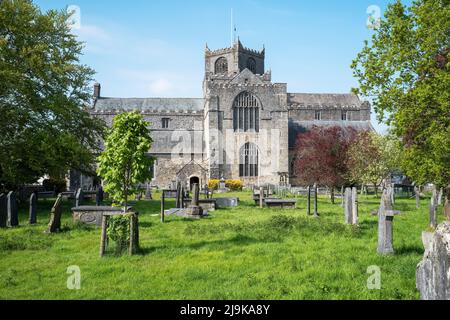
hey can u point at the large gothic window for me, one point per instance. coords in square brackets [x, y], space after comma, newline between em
[221, 66]
[246, 113]
[251, 65]
[248, 163]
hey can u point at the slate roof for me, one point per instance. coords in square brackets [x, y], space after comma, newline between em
[296, 127]
[326, 99]
[150, 104]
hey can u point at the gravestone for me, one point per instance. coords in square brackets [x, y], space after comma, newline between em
[417, 195]
[433, 272]
[433, 209]
[194, 209]
[354, 206]
[348, 206]
[99, 196]
[3, 210]
[33, 209]
[227, 202]
[308, 201]
[55, 216]
[440, 196]
[222, 185]
[179, 196]
[342, 197]
[13, 213]
[385, 224]
[392, 192]
[447, 208]
[316, 190]
[79, 198]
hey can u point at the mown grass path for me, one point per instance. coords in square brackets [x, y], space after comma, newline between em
[239, 253]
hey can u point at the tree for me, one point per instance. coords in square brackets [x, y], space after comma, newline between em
[44, 91]
[372, 157]
[124, 162]
[320, 156]
[405, 69]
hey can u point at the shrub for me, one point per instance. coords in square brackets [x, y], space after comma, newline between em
[57, 185]
[213, 184]
[234, 185]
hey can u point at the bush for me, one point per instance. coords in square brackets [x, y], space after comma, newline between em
[234, 185]
[57, 185]
[213, 184]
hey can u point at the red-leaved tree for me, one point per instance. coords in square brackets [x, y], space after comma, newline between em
[321, 156]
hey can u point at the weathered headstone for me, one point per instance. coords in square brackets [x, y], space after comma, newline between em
[99, 196]
[348, 206]
[55, 216]
[447, 208]
[179, 196]
[33, 209]
[385, 224]
[79, 198]
[417, 195]
[3, 210]
[13, 212]
[433, 272]
[194, 209]
[355, 206]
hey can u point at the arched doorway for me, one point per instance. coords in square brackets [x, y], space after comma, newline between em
[192, 181]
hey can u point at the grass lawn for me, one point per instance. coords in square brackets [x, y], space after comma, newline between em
[239, 253]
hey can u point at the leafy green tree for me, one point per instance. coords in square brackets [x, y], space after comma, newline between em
[44, 91]
[373, 157]
[405, 70]
[124, 162]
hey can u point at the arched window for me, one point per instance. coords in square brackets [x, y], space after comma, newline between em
[246, 113]
[251, 65]
[248, 163]
[221, 66]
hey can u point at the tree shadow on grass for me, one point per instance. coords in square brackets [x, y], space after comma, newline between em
[407, 250]
[240, 240]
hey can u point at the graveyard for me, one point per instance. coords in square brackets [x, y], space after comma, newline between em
[239, 252]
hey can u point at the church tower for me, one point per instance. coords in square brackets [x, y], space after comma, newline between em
[246, 117]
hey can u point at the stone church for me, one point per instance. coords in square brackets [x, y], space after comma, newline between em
[243, 127]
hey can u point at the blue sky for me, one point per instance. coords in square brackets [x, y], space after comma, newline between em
[142, 48]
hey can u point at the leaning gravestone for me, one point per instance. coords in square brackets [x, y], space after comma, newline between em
[3, 210]
[33, 209]
[433, 272]
[55, 216]
[13, 213]
[385, 224]
[79, 197]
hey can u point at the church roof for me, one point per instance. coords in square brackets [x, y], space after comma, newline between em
[327, 99]
[150, 104]
[296, 127]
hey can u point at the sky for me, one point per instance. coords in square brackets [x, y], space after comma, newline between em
[155, 48]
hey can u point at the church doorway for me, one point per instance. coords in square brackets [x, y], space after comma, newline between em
[194, 180]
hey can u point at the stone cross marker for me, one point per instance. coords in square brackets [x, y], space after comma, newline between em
[33, 209]
[3, 210]
[385, 224]
[79, 197]
[13, 214]
[55, 216]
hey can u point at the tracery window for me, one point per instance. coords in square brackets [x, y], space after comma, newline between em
[251, 65]
[221, 66]
[248, 164]
[246, 113]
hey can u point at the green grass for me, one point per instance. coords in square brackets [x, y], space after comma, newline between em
[239, 253]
